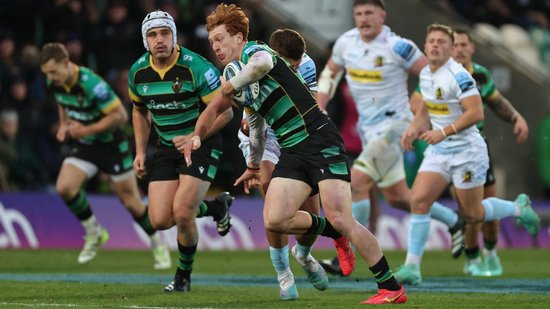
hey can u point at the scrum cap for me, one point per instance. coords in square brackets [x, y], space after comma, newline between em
[158, 19]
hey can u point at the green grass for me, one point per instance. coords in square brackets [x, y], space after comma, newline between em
[44, 288]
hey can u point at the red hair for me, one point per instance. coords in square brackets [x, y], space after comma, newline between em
[231, 16]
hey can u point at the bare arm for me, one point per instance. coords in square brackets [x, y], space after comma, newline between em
[420, 122]
[142, 129]
[506, 111]
[418, 65]
[62, 131]
[328, 81]
[114, 118]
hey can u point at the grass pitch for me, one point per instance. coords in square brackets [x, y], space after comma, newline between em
[245, 279]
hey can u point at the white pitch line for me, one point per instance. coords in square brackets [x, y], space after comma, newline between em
[97, 306]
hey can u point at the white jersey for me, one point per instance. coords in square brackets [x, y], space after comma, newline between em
[442, 92]
[377, 73]
[272, 149]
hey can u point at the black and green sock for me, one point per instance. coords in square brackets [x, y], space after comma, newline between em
[321, 226]
[80, 206]
[145, 222]
[384, 276]
[186, 259]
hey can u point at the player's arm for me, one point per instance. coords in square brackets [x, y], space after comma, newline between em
[506, 111]
[418, 65]
[115, 116]
[141, 122]
[63, 129]
[259, 64]
[418, 125]
[328, 82]
[219, 104]
[221, 120]
[257, 138]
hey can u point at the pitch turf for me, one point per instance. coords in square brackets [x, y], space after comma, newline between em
[238, 279]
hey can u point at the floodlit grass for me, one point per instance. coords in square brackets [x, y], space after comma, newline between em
[34, 286]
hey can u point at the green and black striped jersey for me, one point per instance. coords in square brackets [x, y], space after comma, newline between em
[285, 101]
[176, 95]
[87, 101]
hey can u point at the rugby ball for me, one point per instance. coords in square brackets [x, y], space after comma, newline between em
[248, 94]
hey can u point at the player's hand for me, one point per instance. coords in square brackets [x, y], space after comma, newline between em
[521, 130]
[62, 133]
[250, 179]
[193, 143]
[180, 140]
[227, 89]
[432, 136]
[76, 129]
[139, 165]
[408, 138]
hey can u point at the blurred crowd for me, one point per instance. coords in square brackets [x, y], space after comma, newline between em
[104, 35]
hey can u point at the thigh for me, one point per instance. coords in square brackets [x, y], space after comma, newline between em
[312, 205]
[190, 192]
[427, 188]
[284, 197]
[336, 199]
[469, 201]
[161, 196]
[71, 177]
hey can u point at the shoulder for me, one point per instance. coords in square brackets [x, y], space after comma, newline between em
[462, 77]
[351, 35]
[139, 64]
[479, 69]
[402, 47]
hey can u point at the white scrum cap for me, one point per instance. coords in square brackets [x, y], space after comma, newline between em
[158, 19]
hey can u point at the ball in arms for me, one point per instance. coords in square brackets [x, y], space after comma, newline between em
[248, 93]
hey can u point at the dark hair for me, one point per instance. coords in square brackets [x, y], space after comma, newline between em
[55, 51]
[463, 30]
[443, 28]
[288, 43]
[378, 3]
[231, 16]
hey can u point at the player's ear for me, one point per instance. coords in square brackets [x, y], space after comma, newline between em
[239, 37]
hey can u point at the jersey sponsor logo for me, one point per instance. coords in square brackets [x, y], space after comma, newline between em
[252, 49]
[467, 176]
[379, 61]
[465, 81]
[142, 59]
[439, 93]
[365, 76]
[437, 108]
[145, 87]
[212, 79]
[153, 105]
[101, 91]
[187, 58]
[176, 85]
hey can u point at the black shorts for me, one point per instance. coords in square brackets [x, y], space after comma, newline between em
[113, 158]
[169, 163]
[321, 156]
[490, 180]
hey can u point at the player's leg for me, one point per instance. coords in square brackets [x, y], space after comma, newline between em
[336, 197]
[427, 187]
[74, 172]
[190, 193]
[126, 188]
[302, 250]
[218, 209]
[491, 261]
[469, 200]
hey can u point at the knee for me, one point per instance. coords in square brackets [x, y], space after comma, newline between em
[419, 205]
[184, 217]
[399, 202]
[275, 226]
[66, 192]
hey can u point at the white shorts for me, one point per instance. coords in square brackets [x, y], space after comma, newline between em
[465, 169]
[272, 149]
[382, 155]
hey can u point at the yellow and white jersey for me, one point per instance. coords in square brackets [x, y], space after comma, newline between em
[377, 73]
[442, 91]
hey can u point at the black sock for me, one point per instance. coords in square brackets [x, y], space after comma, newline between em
[80, 206]
[489, 244]
[186, 259]
[209, 209]
[321, 226]
[145, 223]
[384, 276]
[471, 253]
